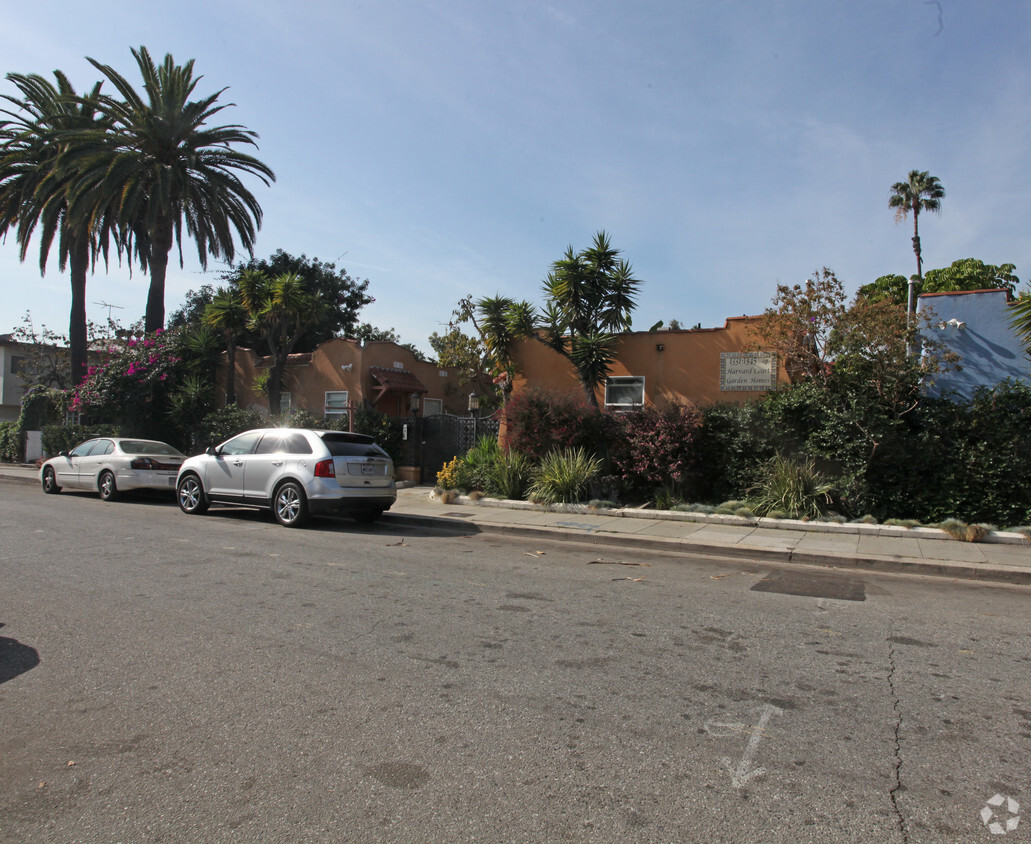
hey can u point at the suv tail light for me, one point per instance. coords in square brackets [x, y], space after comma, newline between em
[325, 469]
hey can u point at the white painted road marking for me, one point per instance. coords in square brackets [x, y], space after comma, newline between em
[743, 773]
[998, 820]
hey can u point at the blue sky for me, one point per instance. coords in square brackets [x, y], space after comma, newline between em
[447, 148]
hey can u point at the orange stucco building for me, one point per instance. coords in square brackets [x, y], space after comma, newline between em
[344, 374]
[700, 365]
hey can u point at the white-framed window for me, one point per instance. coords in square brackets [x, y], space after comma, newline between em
[624, 391]
[284, 402]
[432, 407]
[336, 404]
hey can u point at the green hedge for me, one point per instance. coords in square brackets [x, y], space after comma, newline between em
[58, 438]
[941, 459]
[11, 444]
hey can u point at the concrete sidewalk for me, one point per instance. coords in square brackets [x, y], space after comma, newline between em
[930, 551]
[1005, 558]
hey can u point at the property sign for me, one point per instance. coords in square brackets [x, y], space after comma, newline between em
[748, 371]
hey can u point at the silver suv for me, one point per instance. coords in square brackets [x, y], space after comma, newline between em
[293, 472]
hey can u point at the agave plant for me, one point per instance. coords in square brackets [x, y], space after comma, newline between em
[564, 476]
[509, 475]
[792, 486]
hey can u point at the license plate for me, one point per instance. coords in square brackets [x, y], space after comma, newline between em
[368, 470]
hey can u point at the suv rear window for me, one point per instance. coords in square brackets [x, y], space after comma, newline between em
[352, 445]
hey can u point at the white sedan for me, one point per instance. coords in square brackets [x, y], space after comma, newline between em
[110, 465]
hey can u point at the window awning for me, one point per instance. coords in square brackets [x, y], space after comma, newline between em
[399, 380]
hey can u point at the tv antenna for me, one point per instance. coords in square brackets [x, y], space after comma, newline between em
[109, 308]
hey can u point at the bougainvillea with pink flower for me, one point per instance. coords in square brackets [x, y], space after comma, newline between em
[134, 380]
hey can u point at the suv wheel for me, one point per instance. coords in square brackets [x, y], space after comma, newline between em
[190, 495]
[290, 505]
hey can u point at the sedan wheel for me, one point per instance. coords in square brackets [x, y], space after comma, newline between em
[106, 485]
[190, 495]
[290, 506]
[50, 486]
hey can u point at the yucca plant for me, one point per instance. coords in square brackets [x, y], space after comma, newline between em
[794, 487]
[509, 475]
[478, 462]
[564, 476]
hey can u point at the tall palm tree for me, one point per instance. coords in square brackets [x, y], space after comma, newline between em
[35, 190]
[161, 167]
[227, 315]
[920, 192]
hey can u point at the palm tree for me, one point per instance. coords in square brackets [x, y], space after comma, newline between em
[590, 299]
[280, 310]
[500, 322]
[920, 192]
[227, 315]
[160, 168]
[1020, 319]
[35, 189]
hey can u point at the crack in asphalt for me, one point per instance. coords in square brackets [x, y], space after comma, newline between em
[897, 785]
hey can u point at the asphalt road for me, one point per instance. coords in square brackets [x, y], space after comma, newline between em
[220, 678]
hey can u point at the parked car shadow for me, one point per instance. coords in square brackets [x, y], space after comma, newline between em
[15, 658]
[386, 526]
[136, 496]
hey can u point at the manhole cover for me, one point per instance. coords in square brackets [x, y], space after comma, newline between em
[811, 585]
[460, 515]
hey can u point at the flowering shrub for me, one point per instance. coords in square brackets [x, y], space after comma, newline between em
[447, 477]
[538, 422]
[135, 373]
[654, 447]
[134, 386]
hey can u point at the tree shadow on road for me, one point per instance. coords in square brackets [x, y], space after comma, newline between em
[15, 658]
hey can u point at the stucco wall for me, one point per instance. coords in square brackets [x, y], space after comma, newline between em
[328, 371]
[686, 368]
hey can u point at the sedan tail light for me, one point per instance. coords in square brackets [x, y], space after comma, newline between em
[151, 464]
[325, 469]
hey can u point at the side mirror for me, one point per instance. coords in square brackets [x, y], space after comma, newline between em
[211, 450]
[63, 454]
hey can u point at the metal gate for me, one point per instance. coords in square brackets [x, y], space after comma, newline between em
[435, 440]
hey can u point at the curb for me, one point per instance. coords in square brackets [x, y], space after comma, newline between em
[896, 565]
[19, 479]
[860, 528]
